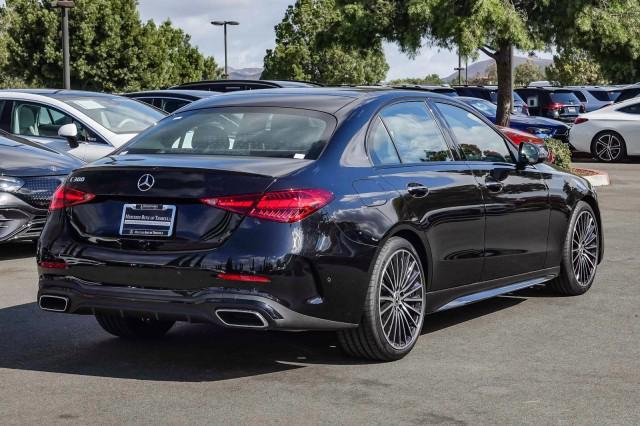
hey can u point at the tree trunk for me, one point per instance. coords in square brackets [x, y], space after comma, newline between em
[504, 70]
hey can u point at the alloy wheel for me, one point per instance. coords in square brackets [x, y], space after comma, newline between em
[401, 299]
[584, 248]
[608, 147]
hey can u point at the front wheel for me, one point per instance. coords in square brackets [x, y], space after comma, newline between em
[143, 328]
[580, 253]
[394, 307]
[609, 147]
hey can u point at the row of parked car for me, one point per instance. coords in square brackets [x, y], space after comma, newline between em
[44, 134]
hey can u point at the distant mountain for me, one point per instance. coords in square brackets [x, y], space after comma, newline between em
[245, 73]
[480, 69]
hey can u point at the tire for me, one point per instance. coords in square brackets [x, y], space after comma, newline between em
[130, 328]
[582, 242]
[403, 308]
[609, 147]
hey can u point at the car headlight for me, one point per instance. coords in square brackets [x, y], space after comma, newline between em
[10, 184]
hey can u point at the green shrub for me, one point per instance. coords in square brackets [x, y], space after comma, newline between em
[561, 153]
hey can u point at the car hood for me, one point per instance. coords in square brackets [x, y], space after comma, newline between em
[24, 158]
[537, 121]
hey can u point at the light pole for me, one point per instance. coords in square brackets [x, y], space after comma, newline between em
[65, 6]
[224, 24]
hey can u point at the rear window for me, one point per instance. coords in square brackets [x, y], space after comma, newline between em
[564, 97]
[627, 94]
[239, 131]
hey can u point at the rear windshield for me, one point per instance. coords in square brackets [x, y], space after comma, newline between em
[564, 97]
[238, 131]
[603, 95]
[627, 94]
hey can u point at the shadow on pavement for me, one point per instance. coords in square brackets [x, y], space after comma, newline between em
[18, 250]
[31, 339]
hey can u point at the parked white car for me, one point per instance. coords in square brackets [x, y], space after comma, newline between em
[87, 125]
[610, 133]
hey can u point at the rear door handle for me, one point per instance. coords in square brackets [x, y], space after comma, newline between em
[417, 190]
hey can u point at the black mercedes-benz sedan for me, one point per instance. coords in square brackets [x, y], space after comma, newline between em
[29, 174]
[341, 209]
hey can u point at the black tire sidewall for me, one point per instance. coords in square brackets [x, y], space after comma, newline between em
[623, 150]
[372, 311]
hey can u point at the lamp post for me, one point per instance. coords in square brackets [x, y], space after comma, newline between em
[64, 6]
[224, 24]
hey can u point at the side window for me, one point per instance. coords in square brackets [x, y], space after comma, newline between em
[631, 109]
[381, 147]
[171, 105]
[478, 141]
[415, 133]
[31, 119]
[580, 96]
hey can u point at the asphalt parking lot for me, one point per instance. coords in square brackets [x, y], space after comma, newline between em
[531, 357]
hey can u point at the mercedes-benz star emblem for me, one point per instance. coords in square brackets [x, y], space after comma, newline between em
[145, 182]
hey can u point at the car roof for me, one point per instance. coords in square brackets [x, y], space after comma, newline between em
[325, 99]
[58, 92]
[275, 83]
[169, 92]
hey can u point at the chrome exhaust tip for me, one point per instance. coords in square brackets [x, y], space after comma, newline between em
[241, 318]
[51, 303]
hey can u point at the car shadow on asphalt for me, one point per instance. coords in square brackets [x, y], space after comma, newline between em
[17, 250]
[34, 340]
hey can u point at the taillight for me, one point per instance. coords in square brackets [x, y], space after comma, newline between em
[247, 278]
[580, 120]
[53, 264]
[67, 197]
[280, 206]
[554, 106]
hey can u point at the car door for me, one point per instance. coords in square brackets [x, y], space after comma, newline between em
[40, 123]
[516, 198]
[438, 195]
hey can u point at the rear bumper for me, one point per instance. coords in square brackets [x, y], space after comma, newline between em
[191, 306]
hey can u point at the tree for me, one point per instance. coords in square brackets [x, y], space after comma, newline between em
[495, 27]
[110, 49]
[527, 72]
[307, 50]
[429, 79]
[575, 67]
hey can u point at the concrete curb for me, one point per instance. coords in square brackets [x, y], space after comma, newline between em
[600, 178]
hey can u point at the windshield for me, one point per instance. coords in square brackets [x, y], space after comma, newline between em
[485, 107]
[117, 114]
[238, 131]
[564, 97]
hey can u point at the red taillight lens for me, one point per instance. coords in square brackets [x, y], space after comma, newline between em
[580, 120]
[53, 264]
[555, 106]
[279, 206]
[244, 278]
[67, 197]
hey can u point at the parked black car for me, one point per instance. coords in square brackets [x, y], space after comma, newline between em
[490, 93]
[29, 174]
[594, 97]
[296, 209]
[443, 90]
[169, 100]
[239, 85]
[552, 102]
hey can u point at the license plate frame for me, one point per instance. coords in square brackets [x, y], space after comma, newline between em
[147, 220]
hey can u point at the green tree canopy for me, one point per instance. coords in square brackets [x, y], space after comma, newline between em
[110, 49]
[495, 27]
[527, 72]
[429, 79]
[307, 50]
[575, 67]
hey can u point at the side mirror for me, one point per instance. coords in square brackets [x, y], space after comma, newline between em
[70, 132]
[530, 154]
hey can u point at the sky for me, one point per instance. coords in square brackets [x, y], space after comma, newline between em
[255, 34]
